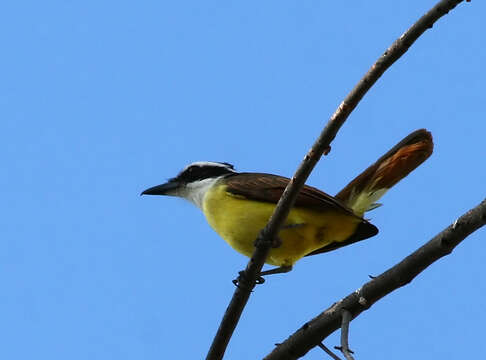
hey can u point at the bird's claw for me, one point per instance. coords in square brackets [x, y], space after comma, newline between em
[236, 282]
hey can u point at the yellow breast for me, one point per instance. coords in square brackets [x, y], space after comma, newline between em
[238, 221]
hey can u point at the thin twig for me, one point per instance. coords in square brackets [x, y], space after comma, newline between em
[247, 279]
[316, 330]
[346, 319]
[328, 351]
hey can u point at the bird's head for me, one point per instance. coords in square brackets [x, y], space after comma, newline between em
[193, 181]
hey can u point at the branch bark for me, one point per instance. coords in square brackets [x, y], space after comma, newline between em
[317, 329]
[247, 278]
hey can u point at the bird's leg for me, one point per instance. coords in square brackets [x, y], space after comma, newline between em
[276, 242]
[278, 270]
[260, 280]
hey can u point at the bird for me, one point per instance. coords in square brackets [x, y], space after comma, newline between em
[237, 205]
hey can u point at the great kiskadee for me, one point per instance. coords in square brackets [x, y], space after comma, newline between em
[238, 205]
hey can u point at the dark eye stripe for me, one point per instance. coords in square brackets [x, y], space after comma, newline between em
[200, 172]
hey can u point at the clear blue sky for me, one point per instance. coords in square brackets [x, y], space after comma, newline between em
[102, 99]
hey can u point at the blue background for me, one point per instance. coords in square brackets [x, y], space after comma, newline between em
[102, 99]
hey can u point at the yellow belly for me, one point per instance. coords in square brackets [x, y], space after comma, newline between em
[238, 222]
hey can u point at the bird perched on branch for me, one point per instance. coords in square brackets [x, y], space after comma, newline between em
[239, 205]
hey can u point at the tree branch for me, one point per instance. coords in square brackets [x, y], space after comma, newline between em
[316, 330]
[345, 320]
[247, 278]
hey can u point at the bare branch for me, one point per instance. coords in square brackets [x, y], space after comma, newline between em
[316, 330]
[247, 279]
[328, 351]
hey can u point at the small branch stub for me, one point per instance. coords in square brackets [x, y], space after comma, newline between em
[328, 351]
[344, 348]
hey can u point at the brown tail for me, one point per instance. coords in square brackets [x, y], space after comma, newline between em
[362, 193]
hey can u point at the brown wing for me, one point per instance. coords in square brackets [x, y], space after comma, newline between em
[269, 188]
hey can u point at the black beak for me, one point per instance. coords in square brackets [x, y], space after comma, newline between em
[161, 189]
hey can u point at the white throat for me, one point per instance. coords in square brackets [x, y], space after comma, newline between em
[196, 191]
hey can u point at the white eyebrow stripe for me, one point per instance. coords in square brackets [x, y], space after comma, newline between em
[208, 163]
